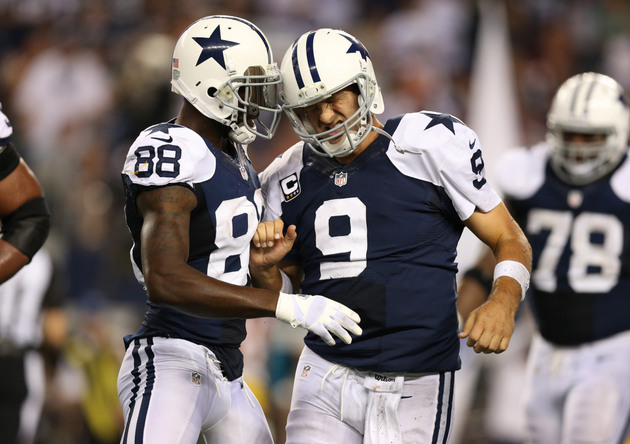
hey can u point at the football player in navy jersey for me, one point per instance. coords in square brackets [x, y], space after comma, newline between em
[193, 205]
[379, 210]
[571, 195]
[23, 208]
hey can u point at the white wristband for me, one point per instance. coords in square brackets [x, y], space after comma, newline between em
[516, 271]
[287, 286]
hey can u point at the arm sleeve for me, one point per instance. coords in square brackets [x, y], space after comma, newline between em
[9, 160]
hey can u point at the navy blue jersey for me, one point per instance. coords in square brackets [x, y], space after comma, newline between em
[221, 226]
[380, 236]
[580, 236]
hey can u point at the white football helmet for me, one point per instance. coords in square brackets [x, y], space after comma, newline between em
[588, 103]
[316, 66]
[223, 65]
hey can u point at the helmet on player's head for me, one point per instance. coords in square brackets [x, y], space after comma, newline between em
[317, 65]
[588, 104]
[224, 67]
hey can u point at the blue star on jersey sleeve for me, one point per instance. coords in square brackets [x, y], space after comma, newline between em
[442, 119]
[213, 47]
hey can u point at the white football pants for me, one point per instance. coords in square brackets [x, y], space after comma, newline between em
[336, 404]
[173, 391]
[579, 394]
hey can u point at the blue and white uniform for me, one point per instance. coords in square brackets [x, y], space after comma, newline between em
[580, 236]
[380, 235]
[201, 355]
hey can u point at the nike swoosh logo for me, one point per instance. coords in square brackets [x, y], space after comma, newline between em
[471, 145]
[169, 140]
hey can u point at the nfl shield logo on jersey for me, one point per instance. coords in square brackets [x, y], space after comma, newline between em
[195, 378]
[341, 179]
[305, 371]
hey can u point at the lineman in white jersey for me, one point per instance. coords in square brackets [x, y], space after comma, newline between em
[193, 205]
[571, 194]
[378, 211]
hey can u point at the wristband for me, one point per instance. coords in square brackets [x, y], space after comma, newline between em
[287, 286]
[516, 271]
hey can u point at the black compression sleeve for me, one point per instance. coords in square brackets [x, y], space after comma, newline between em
[27, 227]
[9, 160]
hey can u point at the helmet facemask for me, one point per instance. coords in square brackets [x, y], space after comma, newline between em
[253, 99]
[579, 163]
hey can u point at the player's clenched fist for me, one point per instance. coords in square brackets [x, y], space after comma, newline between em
[269, 245]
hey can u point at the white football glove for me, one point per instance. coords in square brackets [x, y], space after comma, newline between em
[320, 315]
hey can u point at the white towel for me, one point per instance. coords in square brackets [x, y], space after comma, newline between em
[381, 420]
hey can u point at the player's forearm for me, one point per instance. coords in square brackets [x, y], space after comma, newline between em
[11, 261]
[512, 270]
[268, 278]
[194, 293]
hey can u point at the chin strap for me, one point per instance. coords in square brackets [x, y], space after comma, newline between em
[241, 134]
[398, 148]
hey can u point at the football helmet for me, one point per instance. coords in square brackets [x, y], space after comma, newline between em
[589, 104]
[317, 65]
[224, 67]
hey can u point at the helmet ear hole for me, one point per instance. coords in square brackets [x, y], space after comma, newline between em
[211, 91]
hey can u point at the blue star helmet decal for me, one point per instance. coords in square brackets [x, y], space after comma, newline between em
[213, 47]
[356, 46]
[442, 119]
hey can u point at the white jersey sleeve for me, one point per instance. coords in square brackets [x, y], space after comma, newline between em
[620, 181]
[280, 181]
[440, 149]
[167, 154]
[520, 172]
[6, 130]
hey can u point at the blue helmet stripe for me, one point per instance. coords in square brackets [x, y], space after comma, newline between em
[589, 94]
[258, 31]
[310, 56]
[296, 67]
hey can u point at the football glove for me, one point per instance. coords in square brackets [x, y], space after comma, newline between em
[320, 315]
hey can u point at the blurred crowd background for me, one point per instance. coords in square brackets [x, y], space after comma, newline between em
[81, 78]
